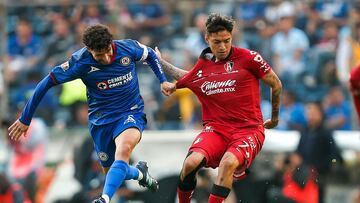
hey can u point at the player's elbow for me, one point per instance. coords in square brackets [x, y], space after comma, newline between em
[277, 86]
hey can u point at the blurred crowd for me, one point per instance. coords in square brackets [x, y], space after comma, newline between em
[311, 45]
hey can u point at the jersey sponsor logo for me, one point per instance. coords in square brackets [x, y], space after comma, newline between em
[229, 66]
[103, 156]
[93, 69]
[130, 119]
[263, 65]
[115, 82]
[65, 66]
[125, 60]
[218, 87]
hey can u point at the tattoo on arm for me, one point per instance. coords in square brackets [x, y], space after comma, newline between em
[273, 81]
[172, 70]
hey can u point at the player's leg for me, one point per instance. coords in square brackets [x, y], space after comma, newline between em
[223, 183]
[187, 181]
[245, 145]
[119, 169]
[206, 150]
[126, 134]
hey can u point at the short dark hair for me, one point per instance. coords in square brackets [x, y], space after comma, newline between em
[97, 37]
[217, 22]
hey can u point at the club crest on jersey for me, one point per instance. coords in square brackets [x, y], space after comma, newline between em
[125, 60]
[229, 66]
[102, 85]
[65, 66]
[103, 156]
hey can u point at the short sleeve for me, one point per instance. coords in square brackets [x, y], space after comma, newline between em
[138, 50]
[183, 82]
[257, 65]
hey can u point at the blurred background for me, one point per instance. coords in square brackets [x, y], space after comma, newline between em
[312, 156]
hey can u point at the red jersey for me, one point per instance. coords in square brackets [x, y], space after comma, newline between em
[228, 89]
[355, 77]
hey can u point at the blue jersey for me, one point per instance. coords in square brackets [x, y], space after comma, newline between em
[113, 89]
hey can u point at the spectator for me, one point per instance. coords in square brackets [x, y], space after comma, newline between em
[58, 44]
[195, 42]
[337, 110]
[146, 21]
[24, 49]
[88, 14]
[289, 45]
[27, 159]
[291, 112]
[295, 182]
[11, 192]
[348, 53]
[317, 147]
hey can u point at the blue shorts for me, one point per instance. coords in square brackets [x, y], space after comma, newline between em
[104, 135]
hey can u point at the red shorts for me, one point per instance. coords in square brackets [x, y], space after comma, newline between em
[244, 143]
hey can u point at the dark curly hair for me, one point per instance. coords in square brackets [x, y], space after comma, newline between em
[97, 37]
[217, 22]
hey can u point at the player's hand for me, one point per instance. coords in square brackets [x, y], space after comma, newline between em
[271, 123]
[158, 53]
[17, 129]
[167, 88]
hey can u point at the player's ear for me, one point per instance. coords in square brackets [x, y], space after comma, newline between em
[207, 38]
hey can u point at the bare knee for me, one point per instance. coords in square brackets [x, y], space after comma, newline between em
[229, 163]
[192, 163]
[123, 152]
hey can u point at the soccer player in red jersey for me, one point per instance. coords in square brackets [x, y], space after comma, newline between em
[226, 81]
[355, 88]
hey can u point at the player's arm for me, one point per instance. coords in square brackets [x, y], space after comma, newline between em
[170, 69]
[274, 82]
[60, 74]
[167, 88]
[20, 126]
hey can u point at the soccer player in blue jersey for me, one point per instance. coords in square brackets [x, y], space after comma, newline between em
[116, 118]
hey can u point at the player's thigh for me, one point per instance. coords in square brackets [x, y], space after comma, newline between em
[246, 144]
[211, 145]
[128, 138]
[103, 143]
[127, 133]
[229, 162]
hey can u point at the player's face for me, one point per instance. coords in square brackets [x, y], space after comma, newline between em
[220, 44]
[103, 56]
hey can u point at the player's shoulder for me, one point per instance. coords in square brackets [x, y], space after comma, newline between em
[239, 51]
[81, 55]
[125, 43]
[244, 54]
